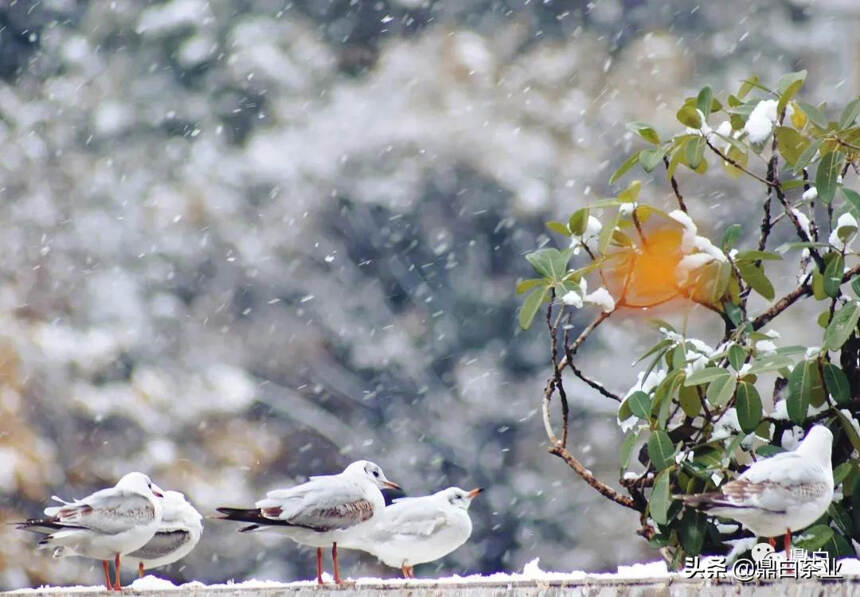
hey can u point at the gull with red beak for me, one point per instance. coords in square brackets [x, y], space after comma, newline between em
[415, 530]
[105, 525]
[321, 512]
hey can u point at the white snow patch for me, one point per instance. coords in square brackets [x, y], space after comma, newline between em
[573, 299]
[810, 194]
[602, 299]
[845, 231]
[151, 583]
[761, 120]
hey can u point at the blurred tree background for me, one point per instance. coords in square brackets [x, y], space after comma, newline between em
[247, 241]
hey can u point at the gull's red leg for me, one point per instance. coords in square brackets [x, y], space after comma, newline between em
[787, 542]
[140, 569]
[319, 566]
[772, 542]
[106, 568]
[337, 579]
[117, 585]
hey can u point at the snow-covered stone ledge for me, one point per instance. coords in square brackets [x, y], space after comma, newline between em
[590, 585]
[639, 580]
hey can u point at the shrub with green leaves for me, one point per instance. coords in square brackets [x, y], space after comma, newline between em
[700, 413]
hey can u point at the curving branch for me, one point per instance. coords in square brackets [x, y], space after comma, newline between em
[805, 289]
[589, 478]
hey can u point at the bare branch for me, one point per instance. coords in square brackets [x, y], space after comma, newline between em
[594, 384]
[589, 478]
[805, 289]
[675, 188]
[738, 165]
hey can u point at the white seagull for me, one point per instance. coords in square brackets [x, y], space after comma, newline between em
[781, 494]
[415, 530]
[105, 525]
[179, 532]
[317, 513]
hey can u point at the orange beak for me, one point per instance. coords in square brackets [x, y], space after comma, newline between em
[474, 493]
[391, 484]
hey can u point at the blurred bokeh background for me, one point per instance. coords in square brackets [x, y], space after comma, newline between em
[246, 241]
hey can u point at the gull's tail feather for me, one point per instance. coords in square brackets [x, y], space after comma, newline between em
[707, 501]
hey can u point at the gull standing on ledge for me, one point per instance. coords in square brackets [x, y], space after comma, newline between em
[781, 494]
[319, 513]
[105, 525]
[177, 535]
[415, 530]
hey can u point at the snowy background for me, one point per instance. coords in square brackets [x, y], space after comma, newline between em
[247, 241]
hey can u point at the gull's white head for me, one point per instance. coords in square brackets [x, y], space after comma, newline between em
[372, 472]
[140, 483]
[817, 443]
[459, 497]
[175, 508]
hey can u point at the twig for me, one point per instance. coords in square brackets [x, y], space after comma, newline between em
[738, 165]
[557, 380]
[675, 188]
[805, 289]
[589, 478]
[594, 384]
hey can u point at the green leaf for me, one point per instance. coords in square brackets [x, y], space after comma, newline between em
[748, 406]
[623, 168]
[757, 256]
[730, 237]
[606, 232]
[827, 175]
[841, 472]
[661, 451]
[703, 101]
[689, 116]
[651, 158]
[694, 152]
[692, 531]
[769, 363]
[849, 114]
[800, 385]
[640, 405]
[737, 355]
[813, 538]
[721, 390]
[578, 221]
[630, 194]
[814, 114]
[804, 158]
[558, 228]
[788, 87]
[791, 144]
[839, 547]
[833, 275]
[852, 201]
[842, 325]
[705, 375]
[627, 449]
[550, 263]
[530, 306]
[755, 277]
[839, 516]
[530, 283]
[644, 130]
[688, 397]
[660, 499]
[789, 79]
[849, 429]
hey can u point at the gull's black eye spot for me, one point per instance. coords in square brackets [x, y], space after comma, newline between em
[375, 473]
